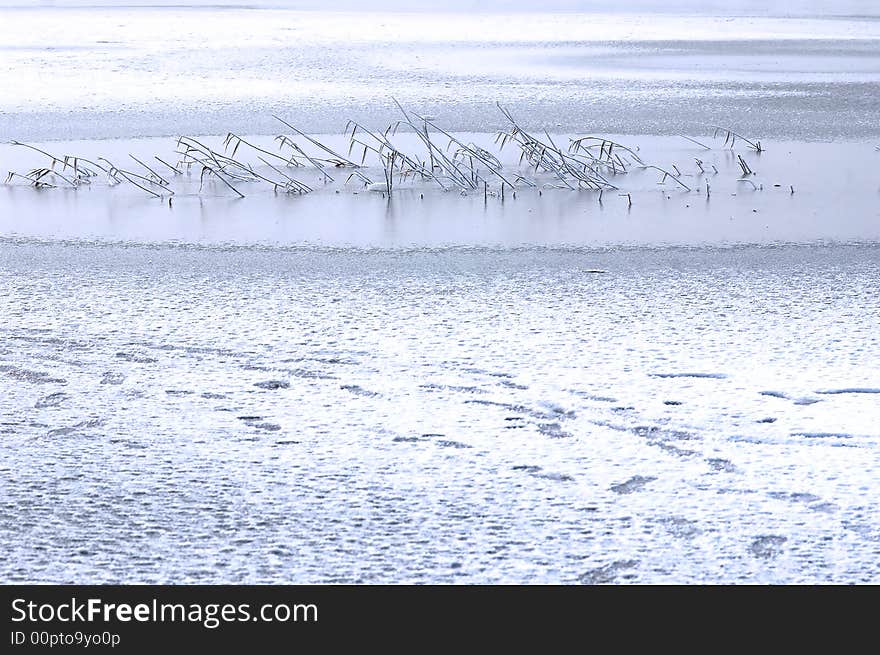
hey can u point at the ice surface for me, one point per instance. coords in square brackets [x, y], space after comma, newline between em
[123, 72]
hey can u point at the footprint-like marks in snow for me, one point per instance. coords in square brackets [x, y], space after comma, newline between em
[722, 465]
[273, 384]
[822, 435]
[634, 484]
[608, 573]
[767, 546]
[680, 527]
[446, 443]
[803, 400]
[553, 430]
[259, 423]
[590, 396]
[82, 425]
[431, 386]
[359, 391]
[52, 400]
[134, 358]
[713, 376]
[33, 377]
[536, 471]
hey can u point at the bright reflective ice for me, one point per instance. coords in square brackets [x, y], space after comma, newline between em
[143, 72]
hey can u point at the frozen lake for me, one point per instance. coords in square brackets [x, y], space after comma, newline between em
[87, 73]
[442, 387]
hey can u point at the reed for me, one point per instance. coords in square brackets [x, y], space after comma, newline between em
[730, 137]
[433, 155]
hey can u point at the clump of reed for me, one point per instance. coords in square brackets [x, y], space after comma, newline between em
[587, 162]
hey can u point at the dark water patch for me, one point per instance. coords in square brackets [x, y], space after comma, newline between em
[528, 468]
[512, 385]
[634, 484]
[112, 378]
[608, 573]
[286, 442]
[409, 439]
[214, 396]
[767, 546]
[179, 392]
[723, 465]
[849, 390]
[713, 376]
[34, 377]
[622, 408]
[247, 419]
[672, 402]
[52, 400]
[359, 391]
[134, 358]
[273, 384]
[774, 394]
[768, 419]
